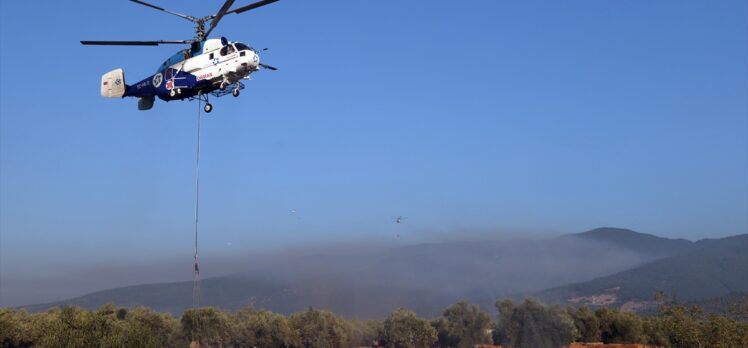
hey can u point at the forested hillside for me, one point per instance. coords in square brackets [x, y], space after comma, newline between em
[424, 277]
[711, 268]
[528, 324]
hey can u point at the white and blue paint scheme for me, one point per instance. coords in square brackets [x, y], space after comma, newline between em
[215, 65]
[207, 67]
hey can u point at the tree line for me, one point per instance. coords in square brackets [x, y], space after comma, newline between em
[461, 325]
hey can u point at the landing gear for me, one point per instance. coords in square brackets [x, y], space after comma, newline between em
[173, 93]
[215, 91]
[207, 107]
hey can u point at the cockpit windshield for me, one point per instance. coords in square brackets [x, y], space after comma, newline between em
[242, 47]
[228, 49]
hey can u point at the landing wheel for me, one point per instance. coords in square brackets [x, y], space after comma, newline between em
[179, 91]
[222, 86]
[235, 92]
[208, 108]
[172, 93]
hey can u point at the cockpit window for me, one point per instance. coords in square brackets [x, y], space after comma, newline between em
[243, 47]
[228, 49]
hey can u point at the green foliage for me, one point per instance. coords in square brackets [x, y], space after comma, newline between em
[364, 332]
[146, 328]
[209, 326]
[532, 324]
[403, 329]
[252, 328]
[463, 325]
[586, 323]
[319, 329]
[619, 327]
[17, 328]
[654, 333]
[74, 327]
[529, 324]
[681, 326]
[721, 332]
[688, 327]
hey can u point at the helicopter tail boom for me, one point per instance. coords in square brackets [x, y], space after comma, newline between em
[113, 84]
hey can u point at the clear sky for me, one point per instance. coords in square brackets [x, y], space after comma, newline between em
[505, 116]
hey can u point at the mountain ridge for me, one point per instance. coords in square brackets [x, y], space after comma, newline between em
[424, 277]
[710, 268]
[635, 240]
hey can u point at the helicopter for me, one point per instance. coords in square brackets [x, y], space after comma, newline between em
[207, 67]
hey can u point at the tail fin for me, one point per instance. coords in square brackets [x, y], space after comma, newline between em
[113, 84]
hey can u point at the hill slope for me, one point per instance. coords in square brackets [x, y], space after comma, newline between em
[641, 242]
[425, 277]
[710, 269]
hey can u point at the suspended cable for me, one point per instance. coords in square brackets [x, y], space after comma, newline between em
[196, 294]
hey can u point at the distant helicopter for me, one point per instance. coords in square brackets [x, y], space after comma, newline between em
[207, 67]
[399, 219]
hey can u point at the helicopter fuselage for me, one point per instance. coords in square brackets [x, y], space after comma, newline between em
[215, 64]
[207, 67]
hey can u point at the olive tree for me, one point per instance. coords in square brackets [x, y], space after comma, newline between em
[250, 328]
[207, 326]
[463, 325]
[319, 329]
[531, 324]
[403, 329]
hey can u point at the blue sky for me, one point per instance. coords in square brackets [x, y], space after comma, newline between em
[501, 116]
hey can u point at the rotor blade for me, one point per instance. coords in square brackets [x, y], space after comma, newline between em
[217, 17]
[252, 6]
[135, 43]
[189, 18]
[268, 67]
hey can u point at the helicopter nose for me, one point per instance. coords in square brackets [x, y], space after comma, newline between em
[255, 60]
[251, 60]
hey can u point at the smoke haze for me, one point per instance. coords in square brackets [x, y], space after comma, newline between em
[476, 269]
